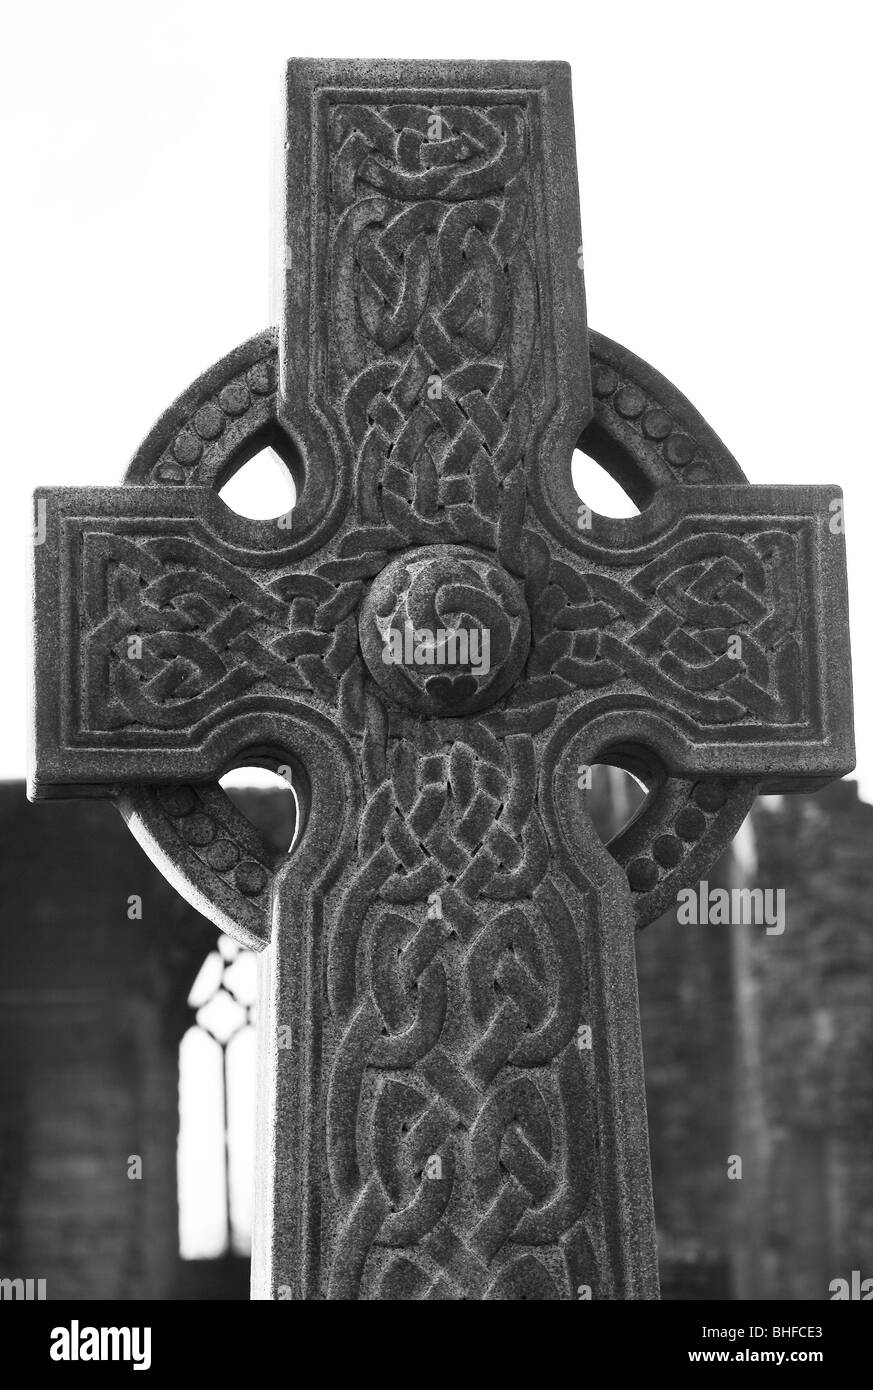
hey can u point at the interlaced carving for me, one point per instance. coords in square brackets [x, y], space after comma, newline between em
[178, 631]
[710, 626]
[457, 1136]
[435, 331]
[211, 632]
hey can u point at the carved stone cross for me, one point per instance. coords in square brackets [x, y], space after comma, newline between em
[452, 1101]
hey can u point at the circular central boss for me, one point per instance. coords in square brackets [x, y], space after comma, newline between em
[444, 630]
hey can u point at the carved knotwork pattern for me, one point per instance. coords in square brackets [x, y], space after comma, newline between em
[211, 631]
[671, 628]
[434, 358]
[460, 1131]
[435, 334]
[459, 1125]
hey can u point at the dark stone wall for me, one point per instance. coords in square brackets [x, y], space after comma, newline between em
[761, 1046]
[686, 1010]
[92, 1005]
[811, 990]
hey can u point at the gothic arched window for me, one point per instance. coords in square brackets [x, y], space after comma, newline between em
[216, 1099]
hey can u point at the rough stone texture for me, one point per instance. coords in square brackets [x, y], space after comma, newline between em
[422, 591]
[448, 922]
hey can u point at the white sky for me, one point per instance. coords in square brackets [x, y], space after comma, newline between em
[724, 156]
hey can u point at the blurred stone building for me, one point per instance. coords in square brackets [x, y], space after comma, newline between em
[98, 958]
[757, 1047]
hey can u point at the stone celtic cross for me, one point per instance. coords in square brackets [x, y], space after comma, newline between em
[451, 1099]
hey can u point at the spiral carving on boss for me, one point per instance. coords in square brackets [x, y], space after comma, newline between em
[444, 630]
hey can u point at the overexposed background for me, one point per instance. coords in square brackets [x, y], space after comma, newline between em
[724, 167]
